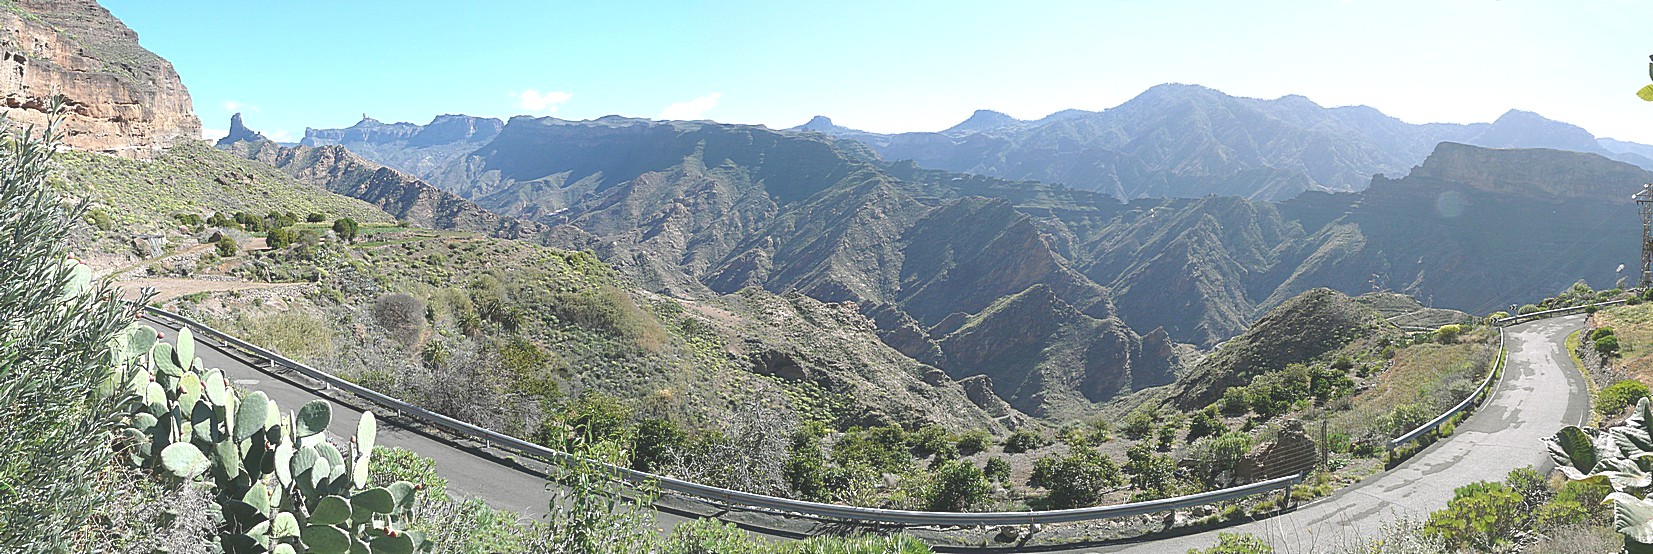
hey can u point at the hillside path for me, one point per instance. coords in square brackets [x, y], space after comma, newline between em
[1541, 391]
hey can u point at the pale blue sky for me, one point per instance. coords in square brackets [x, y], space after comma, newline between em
[893, 66]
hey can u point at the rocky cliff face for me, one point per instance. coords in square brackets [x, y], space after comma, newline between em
[122, 99]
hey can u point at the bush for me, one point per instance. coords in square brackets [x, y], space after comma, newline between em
[315, 218]
[1616, 397]
[402, 315]
[1205, 423]
[608, 308]
[1078, 479]
[1607, 346]
[1480, 515]
[1139, 424]
[655, 442]
[973, 442]
[1237, 543]
[58, 323]
[1600, 332]
[226, 246]
[1527, 309]
[998, 469]
[281, 237]
[880, 448]
[345, 228]
[1234, 401]
[1024, 440]
[1153, 475]
[390, 465]
[1531, 485]
[1448, 334]
[932, 440]
[955, 486]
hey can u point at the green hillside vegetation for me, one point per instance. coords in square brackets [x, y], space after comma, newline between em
[192, 178]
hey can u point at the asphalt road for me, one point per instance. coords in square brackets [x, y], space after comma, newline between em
[472, 470]
[1540, 392]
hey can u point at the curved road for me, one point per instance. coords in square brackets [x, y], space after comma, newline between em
[1540, 392]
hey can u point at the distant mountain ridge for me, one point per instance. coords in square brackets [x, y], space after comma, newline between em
[1189, 141]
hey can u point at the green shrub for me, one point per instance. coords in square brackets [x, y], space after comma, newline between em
[881, 448]
[315, 217]
[710, 536]
[1607, 346]
[1234, 401]
[654, 443]
[1448, 334]
[932, 440]
[1140, 423]
[1205, 423]
[1237, 543]
[58, 324]
[998, 469]
[955, 486]
[1024, 440]
[1075, 480]
[389, 465]
[973, 441]
[1527, 309]
[280, 238]
[1614, 398]
[1600, 332]
[345, 228]
[1153, 475]
[1480, 515]
[227, 247]
[608, 308]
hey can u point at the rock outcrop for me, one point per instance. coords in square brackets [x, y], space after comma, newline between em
[121, 98]
[240, 133]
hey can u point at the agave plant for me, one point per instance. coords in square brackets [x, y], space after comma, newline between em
[281, 486]
[1623, 457]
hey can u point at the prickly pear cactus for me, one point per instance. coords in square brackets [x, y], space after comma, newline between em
[281, 485]
[1623, 457]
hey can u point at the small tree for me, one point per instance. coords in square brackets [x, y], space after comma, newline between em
[226, 247]
[281, 237]
[998, 469]
[345, 228]
[402, 315]
[955, 486]
[1079, 479]
[1448, 334]
[1024, 440]
[315, 218]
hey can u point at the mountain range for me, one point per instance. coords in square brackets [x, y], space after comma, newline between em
[1063, 297]
[1189, 141]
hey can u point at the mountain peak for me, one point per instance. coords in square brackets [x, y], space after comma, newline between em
[983, 120]
[240, 133]
[818, 123]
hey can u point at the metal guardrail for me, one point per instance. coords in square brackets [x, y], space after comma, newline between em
[1517, 318]
[1497, 368]
[734, 497]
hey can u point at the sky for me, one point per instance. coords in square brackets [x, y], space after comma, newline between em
[891, 66]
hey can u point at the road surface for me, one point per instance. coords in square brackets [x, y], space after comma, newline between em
[1539, 392]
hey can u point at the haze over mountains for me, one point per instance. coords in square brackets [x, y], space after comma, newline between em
[1189, 141]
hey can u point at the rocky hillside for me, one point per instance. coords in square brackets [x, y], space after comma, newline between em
[420, 150]
[403, 196]
[1192, 141]
[122, 99]
[1300, 330]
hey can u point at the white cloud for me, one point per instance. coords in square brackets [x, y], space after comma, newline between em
[280, 135]
[233, 106]
[536, 102]
[691, 109]
[213, 134]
